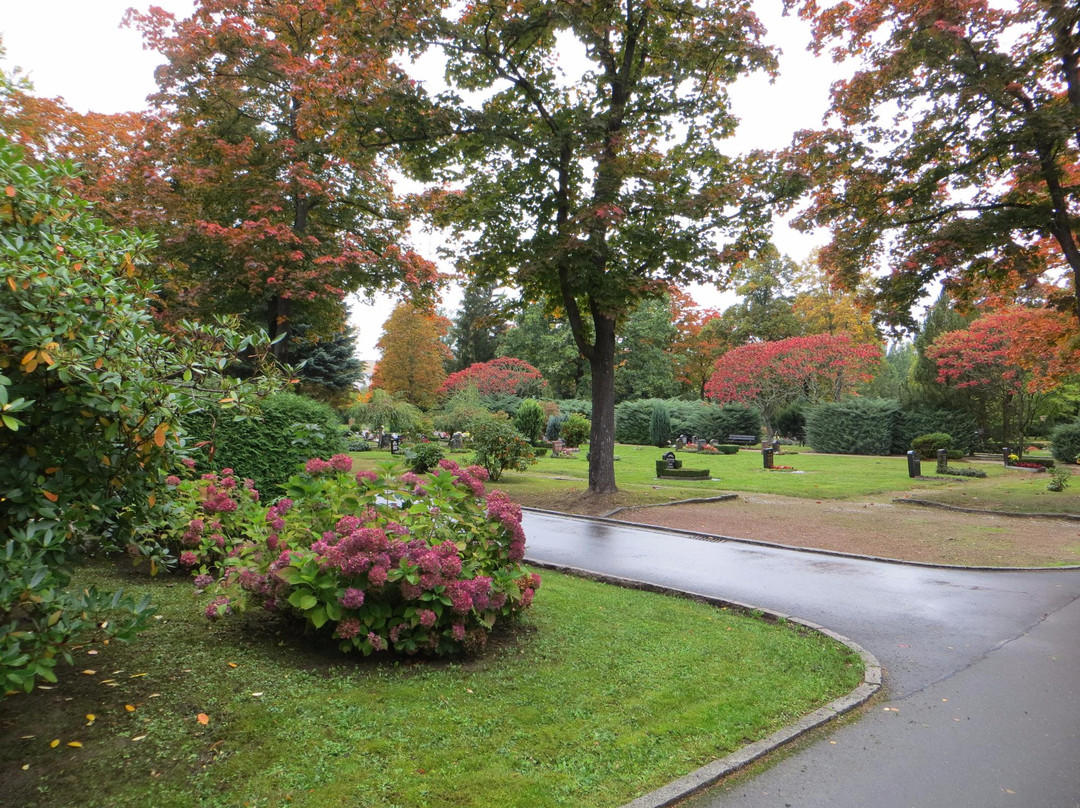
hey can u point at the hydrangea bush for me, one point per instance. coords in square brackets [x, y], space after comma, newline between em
[414, 563]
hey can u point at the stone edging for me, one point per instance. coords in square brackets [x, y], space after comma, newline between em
[691, 501]
[711, 773]
[926, 503]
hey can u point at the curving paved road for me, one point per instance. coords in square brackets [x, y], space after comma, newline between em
[982, 668]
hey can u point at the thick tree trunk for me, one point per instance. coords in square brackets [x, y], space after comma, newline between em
[602, 438]
[278, 314]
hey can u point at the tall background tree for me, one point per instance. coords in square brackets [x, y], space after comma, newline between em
[545, 342]
[594, 191]
[955, 153]
[413, 355]
[479, 324]
[274, 188]
[764, 314]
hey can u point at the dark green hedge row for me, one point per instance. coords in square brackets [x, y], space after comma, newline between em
[881, 427]
[633, 420]
[267, 447]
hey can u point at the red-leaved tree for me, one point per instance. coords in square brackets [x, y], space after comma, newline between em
[1009, 360]
[503, 376]
[773, 375]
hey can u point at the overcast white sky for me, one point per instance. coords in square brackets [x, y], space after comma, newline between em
[75, 49]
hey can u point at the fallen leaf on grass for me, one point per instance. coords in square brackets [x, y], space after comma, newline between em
[137, 675]
[138, 737]
[54, 743]
[90, 718]
[202, 718]
[232, 664]
[256, 695]
[130, 708]
[92, 652]
[89, 672]
[75, 744]
[25, 766]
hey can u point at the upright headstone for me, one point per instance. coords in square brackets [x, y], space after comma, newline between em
[942, 461]
[669, 459]
[914, 464]
[767, 457]
[384, 440]
[395, 444]
[701, 443]
[776, 446]
[680, 444]
[457, 441]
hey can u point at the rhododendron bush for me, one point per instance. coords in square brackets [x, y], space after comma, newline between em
[414, 563]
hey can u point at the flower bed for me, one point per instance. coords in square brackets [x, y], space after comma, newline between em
[416, 563]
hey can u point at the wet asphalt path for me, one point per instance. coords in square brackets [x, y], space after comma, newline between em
[982, 668]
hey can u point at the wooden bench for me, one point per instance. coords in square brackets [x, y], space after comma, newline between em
[746, 440]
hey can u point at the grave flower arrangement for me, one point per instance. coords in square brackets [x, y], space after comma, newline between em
[416, 563]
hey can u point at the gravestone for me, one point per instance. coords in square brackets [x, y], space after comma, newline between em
[701, 443]
[914, 464]
[776, 446]
[942, 461]
[680, 444]
[384, 440]
[669, 459]
[457, 441]
[767, 457]
[395, 444]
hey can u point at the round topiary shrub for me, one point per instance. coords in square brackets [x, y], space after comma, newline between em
[575, 430]
[267, 448]
[423, 457]
[927, 445]
[354, 559]
[1065, 443]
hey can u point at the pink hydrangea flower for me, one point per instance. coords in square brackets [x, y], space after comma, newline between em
[188, 559]
[316, 466]
[427, 618]
[341, 462]
[172, 480]
[349, 628]
[353, 598]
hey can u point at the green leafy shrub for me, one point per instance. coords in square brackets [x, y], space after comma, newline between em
[856, 426]
[530, 420]
[383, 412]
[927, 445]
[575, 430]
[727, 448]
[461, 412]
[416, 564]
[1059, 479]
[633, 420]
[499, 446]
[790, 422]
[659, 424]
[1065, 443]
[269, 448]
[92, 394]
[423, 457]
[569, 406]
[502, 402]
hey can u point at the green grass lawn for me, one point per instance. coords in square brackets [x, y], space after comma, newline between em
[600, 695]
[553, 482]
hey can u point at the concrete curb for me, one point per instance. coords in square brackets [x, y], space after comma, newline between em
[691, 501]
[926, 503]
[697, 535]
[711, 773]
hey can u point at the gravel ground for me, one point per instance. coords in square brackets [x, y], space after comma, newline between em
[886, 530]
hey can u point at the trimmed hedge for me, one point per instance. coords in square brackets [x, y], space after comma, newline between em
[881, 427]
[1065, 443]
[268, 447]
[857, 426]
[661, 467]
[633, 420]
[686, 474]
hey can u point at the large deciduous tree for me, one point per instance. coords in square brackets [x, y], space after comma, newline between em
[546, 343]
[774, 375]
[955, 151]
[700, 339]
[503, 376]
[413, 353]
[274, 118]
[596, 189]
[1009, 360]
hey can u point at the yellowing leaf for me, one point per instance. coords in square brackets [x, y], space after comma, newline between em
[10, 190]
[152, 500]
[99, 363]
[89, 672]
[75, 744]
[90, 718]
[159, 434]
[232, 664]
[202, 718]
[49, 495]
[54, 743]
[11, 283]
[129, 707]
[138, 737]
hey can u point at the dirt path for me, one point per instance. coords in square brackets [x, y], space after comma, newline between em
[880, 529]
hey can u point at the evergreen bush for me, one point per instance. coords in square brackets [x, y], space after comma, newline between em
[575, 431]
[569, 406]
[1065, 443]
[659, 424]
[530, 420]
[927, 445]
[910, 423]
[423, 457]
[554, 426]
[267, 448]
[855, 426]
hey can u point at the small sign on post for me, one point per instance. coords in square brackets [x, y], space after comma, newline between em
[914, 464]
[1005, 454]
